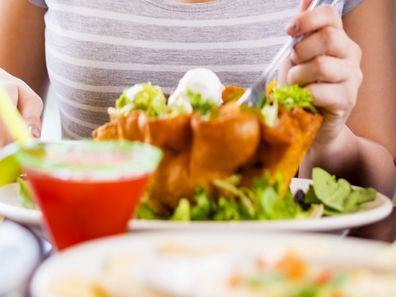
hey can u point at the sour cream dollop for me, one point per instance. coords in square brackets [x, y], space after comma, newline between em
[200, 80]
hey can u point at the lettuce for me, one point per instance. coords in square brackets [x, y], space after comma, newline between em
[263, 201]
[182, 211]
[337, 196]
[227, 210]
[293, 96]
[144, 211]
[144, 97]
[199, 104]
[203, 206]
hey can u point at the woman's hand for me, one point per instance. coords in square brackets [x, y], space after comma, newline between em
[27, 101]
[327, 62]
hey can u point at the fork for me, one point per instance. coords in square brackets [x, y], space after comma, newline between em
[255, 95]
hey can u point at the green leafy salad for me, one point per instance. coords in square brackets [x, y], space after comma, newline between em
[327, 196]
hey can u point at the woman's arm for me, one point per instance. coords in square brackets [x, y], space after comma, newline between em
[363, 151]
[22, 51]
[22, 61]
[374, 116]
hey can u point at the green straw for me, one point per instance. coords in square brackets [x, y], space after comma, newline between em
[13, 120]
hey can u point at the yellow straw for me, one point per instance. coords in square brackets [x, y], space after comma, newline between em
[13, 120]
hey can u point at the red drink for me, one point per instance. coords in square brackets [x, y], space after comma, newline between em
[88, 189]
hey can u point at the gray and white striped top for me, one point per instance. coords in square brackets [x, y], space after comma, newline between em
[96, 48]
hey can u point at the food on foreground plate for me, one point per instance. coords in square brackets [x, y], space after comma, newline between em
[182, 271]
[205, 139]
[223, 161]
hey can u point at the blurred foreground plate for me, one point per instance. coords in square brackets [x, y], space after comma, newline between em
[20, 252]
[12, 208]
[180, 263]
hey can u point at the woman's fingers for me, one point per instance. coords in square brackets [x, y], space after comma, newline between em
[321, 69]
[12, 90]
[30, 106]
[327, 62]
[283, 71]
[304, 4]
[329, 41]
[334, 98]
[27, 101]
[311, 21]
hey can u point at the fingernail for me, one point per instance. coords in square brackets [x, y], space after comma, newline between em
[35, 131]
[292, 28]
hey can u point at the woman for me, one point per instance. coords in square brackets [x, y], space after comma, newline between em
[94, 49]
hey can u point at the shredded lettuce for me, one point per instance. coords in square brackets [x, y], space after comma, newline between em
[227, 210]
[146, 212]
[290, 97]
[244, 196]
[287, 97]
[182, 211]
[204, 106]
[270, 114]
[203, 207]
[144, 97]
[175, 110]
[262, 202]
[150, 99]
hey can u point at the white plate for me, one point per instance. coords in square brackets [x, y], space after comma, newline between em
[199, 251]
[11, 207]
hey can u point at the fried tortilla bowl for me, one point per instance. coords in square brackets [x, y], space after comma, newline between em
[198, 151]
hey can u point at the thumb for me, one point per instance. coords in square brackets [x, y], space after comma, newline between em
[304, 4]
[30, 106]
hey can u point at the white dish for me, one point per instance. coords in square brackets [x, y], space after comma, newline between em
[11, 207]
[190, 255]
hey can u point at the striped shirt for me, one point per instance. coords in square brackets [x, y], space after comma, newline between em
[97, 48]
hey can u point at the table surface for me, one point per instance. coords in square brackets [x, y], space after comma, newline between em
[384, 230]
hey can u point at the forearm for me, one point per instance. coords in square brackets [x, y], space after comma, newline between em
[22, 51]
[360, 161]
